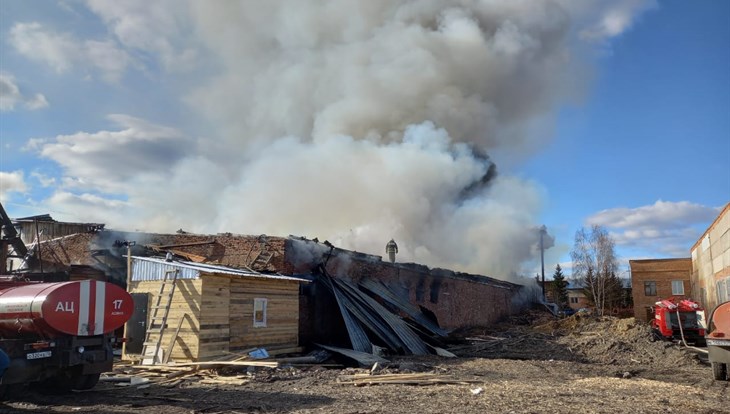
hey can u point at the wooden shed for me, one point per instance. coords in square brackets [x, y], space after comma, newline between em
[214, 310]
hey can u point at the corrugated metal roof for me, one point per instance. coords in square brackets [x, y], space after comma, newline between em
[151, 268]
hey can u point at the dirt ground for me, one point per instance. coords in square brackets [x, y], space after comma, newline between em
[527, 365]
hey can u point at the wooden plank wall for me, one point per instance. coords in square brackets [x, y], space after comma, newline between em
[185, 301]
[282, 321]
[214, 317]
[220, 315]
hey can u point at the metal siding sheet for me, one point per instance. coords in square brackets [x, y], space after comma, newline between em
[403, 304]
[144, 271]
[414, 344]
[149, 268]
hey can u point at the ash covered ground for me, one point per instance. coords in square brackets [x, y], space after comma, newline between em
[529, 364]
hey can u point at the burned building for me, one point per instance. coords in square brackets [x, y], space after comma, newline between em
[447, 299]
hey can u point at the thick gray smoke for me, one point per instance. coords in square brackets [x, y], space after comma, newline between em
[365, 121]
[361, 121]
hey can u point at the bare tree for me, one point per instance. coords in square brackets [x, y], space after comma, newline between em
[594, 262]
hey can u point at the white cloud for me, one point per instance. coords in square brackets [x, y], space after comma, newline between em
[602, 20]
[107, 160]
[43, 179]
[63, 51]
[57, 50]
[111, 60]
[38, 101]
[669, 228]
[12, 182]
[96, 209]
[659, 214]
[157, 27]
[10, 96]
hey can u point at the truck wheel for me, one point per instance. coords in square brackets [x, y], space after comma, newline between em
[86, 382]
[63, 381]
[719, 371]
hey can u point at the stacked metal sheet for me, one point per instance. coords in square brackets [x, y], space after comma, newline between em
[371, 314]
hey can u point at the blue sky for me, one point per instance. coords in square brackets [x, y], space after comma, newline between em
[654, 126]
[361, 122]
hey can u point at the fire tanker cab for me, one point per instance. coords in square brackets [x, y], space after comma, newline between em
[674, 319]
[718, 341]
[62, 332]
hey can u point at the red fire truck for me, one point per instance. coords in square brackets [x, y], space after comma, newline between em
[59, 332]
[674, 318]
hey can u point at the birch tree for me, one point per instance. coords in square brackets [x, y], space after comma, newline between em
[595, 264]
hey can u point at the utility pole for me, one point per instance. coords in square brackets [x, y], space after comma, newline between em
[543, 231]
[129, 245]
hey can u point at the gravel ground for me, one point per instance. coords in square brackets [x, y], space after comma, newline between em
[593, 365]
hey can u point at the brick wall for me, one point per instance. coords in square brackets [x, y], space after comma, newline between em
[662, 272]
[457, 300]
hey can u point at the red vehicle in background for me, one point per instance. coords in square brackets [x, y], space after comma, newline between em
[675, 319]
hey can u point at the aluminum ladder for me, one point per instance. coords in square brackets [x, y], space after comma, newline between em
[158, 320]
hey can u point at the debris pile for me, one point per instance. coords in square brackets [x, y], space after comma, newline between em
[609, 340]
[517, 342]
[579, 338]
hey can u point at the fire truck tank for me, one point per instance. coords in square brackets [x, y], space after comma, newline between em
[79, 308]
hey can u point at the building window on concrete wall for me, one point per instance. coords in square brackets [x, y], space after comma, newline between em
[677, 287]
[259, 312]
[573, 300]
[650, 288]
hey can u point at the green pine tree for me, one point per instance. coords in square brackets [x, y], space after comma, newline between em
[560, 287]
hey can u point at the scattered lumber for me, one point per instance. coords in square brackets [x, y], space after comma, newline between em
[283, 351]
[403, 379]
[268, 364]
[238, 380]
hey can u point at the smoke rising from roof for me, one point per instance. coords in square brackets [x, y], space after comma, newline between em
[361, 121]
[366, 121]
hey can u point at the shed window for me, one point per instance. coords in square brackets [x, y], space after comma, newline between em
[574, 300]
[259, 312]
[677, 287]
[650, 288]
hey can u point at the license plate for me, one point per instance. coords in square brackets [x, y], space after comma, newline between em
[39, 355]
[718, 342]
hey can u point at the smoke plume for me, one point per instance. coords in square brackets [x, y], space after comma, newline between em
[361, 121]
[365, 121]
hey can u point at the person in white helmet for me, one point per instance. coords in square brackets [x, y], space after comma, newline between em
[391, 248]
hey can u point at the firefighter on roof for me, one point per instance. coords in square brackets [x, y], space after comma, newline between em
[391, 248]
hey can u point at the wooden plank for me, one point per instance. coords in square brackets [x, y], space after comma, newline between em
[405, 379]
[270, 364]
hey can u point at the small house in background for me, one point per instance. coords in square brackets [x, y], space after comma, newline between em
[215, 310]
[44, 227]
[577, 298]
[655, 279]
